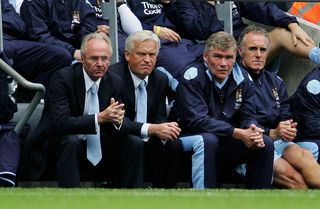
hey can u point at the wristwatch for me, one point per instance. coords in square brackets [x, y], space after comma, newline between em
[120, 2]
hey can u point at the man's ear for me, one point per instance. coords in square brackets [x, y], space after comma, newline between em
[126, 55]
[204, 56]
[240, 51]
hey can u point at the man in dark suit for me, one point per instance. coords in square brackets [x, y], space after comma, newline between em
[82, 138]
[162, 146]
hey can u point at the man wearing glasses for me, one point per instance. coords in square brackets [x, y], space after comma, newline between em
[83, 117]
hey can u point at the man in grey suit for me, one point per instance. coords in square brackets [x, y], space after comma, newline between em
[84, 139]
[149, 126]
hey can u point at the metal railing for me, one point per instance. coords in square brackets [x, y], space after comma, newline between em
[109, 12]
[28, 85]
[23, 82]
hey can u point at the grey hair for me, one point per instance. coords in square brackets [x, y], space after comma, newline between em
[251, 29]
[141, 36]
[221, 40]
[95, 36]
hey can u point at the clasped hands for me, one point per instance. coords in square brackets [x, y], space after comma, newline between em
[286, 130]
[114, 113]
[253, 137]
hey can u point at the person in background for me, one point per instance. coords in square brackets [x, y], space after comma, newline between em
[61, 23]
[33, 60]
[305, 107]
[9, 141]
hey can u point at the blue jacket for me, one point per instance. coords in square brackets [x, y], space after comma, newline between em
[272, 100]
[151, 13]
[306, 106]
[7, 102]
[204, 107]
[58, 22]
[200, 20]
[13, 26]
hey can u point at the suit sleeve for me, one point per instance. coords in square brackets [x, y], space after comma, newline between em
[63, 122]
[159, 110]
[194, 109]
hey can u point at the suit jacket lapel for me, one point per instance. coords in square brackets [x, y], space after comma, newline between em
[104, 92]
[130, 91]
[80, 86]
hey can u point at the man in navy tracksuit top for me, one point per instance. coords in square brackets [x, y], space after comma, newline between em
[216, 99]
[294, 167]
[306, 107]
[35, 61]
[200, 17]
[199, 20]
[61, 23]
[176, 53]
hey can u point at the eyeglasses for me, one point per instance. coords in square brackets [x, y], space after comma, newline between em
[96, 59]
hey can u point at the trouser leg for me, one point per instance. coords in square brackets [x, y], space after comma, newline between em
[131, 160]
[163, 161]
[68, 161]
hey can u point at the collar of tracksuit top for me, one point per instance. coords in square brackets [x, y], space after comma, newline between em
[236, 73]
[255, 76]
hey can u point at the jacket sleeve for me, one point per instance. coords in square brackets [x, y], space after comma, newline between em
[90, 20]
[12, 23]
[266, 13]
[285, 108]
[248, 107]
[60, 112]
[196, 18]
[36, 14]
[194, 109]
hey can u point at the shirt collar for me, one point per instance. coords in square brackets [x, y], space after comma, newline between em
[88, 82]
[219, 85]
[136, 79]
[236, 73]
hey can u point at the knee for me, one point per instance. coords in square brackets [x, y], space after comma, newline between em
[136, 143]
[210, 141]
[72, 142]
[269, 146]
[198, 145]
[174, 146]
[307, 157]
[70, 145]
[61, 56]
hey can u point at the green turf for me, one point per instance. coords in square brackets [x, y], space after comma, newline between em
[47, 198]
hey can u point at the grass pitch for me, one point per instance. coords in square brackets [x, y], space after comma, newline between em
[47, 198]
